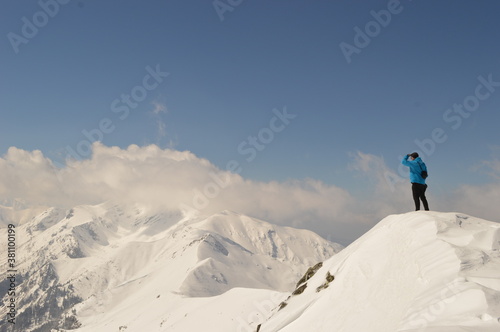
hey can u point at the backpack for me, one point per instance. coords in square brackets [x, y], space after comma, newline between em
[423, 173]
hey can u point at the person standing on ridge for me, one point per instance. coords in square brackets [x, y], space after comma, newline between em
[418, 174]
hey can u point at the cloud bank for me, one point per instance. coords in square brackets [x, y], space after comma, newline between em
[166, 179]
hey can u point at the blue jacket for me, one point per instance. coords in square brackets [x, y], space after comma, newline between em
[416, 168]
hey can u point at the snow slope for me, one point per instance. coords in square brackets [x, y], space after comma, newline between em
[114, 268]
[126, 269]
[420, 271]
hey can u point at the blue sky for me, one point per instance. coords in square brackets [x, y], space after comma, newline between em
[228, 71]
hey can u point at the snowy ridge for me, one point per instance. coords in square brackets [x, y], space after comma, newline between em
[89, 267]
[421, 271]
[111, 268]
[263, 256]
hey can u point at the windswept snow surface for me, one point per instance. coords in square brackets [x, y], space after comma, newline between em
[111, 268]
[420, 271]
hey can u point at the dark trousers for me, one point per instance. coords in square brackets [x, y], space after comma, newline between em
[419, 194]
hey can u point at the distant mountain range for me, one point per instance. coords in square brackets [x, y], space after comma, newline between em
[111, 268]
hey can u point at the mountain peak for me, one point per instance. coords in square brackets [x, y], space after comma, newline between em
[229, 242]
[98, 257]
[420, 271]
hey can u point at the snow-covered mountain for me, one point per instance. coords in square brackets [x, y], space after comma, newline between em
[421, 271]
[109, 268]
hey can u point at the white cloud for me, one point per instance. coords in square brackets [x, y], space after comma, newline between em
[389, 192]
[491, 167]
[480, 200]
[165, 179]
